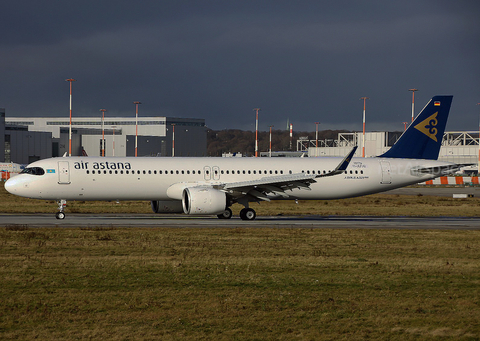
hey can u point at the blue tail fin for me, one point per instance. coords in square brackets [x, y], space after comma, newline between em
[423, 138]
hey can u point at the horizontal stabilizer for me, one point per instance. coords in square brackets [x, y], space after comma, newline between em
[440, 170]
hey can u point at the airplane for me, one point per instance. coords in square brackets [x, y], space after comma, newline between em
[210, 186]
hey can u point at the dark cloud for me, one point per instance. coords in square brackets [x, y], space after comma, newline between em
[304, 61]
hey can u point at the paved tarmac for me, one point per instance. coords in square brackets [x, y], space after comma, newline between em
[436, 191]
[182, 221]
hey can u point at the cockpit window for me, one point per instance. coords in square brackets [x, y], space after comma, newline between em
[33, 171]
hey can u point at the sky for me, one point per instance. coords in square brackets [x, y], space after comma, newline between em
[298, 61]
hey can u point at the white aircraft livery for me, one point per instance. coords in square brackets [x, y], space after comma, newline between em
[209, 186]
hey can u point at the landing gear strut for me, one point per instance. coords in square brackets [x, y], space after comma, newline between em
[61, 207]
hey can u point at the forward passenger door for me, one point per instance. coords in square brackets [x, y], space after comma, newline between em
[63, 172]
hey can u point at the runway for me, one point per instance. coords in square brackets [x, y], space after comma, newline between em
[310, 221]
[182, 221]
[436, 191]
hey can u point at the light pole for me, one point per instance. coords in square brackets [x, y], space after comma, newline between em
[70, 128]
[291, 136]
[113, 143]
[478, 169]
[405, 125]
[103, 131]
[363, 139]
[173, 139]
[271, 141]
[316, 134]
[256, 132]
[136, 126]
[413, 101]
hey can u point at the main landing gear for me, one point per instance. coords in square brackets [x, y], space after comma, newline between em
[227, 214]
[61, 207]
[248, 214]
[245, 214]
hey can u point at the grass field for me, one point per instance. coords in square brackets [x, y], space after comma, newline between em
[242, 283]
[234, 284]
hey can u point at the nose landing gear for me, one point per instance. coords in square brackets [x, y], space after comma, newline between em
[61, 207]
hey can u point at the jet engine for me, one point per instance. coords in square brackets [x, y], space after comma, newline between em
[167, 206]
[203, 200]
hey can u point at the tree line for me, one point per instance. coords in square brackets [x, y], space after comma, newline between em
[240, 141]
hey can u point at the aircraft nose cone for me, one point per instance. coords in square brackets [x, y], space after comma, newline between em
[10, 186]
[13, 185]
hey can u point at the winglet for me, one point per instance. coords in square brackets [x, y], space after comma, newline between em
[342, 165]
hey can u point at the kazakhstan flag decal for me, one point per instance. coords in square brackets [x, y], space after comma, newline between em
[50, 170]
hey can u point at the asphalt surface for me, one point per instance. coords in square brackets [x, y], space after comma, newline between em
[182, 221]
[311, 221]
[436, 191]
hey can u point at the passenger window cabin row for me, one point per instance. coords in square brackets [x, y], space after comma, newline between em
[207, 172]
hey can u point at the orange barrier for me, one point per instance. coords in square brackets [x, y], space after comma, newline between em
[452, 180]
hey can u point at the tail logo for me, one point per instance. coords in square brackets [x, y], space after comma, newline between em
[428, 126]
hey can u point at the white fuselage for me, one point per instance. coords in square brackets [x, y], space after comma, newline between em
[148, 178]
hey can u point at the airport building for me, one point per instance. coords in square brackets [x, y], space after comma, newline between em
[19, 145]
[154, 136]
[27, 139]
[2, 134]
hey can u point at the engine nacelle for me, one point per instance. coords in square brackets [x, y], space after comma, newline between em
[203, 200]
[167, 206]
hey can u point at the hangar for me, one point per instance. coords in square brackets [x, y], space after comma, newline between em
[21, 146]
[154, 136]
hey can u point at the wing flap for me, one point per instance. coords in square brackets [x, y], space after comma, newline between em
[278, 184]
[276, 181]
[258, 195]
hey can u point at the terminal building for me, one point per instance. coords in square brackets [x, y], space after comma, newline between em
[28, 139]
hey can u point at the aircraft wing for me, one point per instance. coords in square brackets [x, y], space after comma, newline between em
[277, 185]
